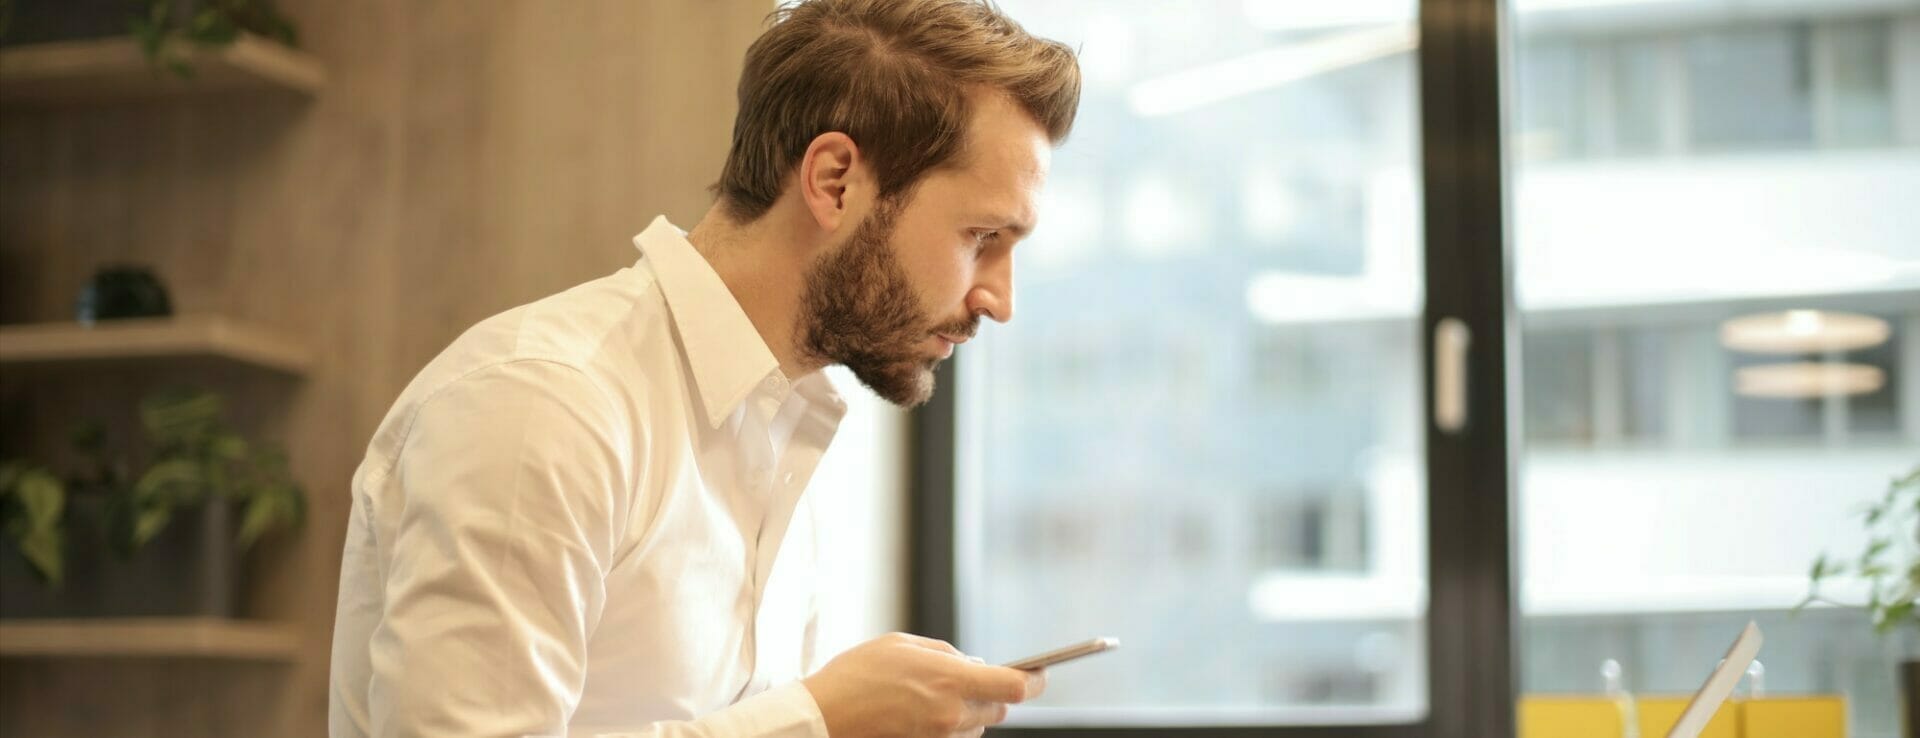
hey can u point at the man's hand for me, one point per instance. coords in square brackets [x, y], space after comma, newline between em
[906, 686]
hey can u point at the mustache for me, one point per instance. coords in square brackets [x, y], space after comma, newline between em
[963, 328]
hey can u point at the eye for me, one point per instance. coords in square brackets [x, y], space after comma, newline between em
[984, 238]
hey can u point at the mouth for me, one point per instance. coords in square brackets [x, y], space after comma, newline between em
[944, 344]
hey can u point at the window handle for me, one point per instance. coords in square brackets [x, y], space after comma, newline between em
[1451, 342]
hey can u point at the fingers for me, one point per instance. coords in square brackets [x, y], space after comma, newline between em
[999, 683]
[933, 644]
[979, 715]
[1036, 683]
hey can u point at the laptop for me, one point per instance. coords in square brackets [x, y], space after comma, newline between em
[1719, 684]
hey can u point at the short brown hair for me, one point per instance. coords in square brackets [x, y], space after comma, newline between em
[894, 76]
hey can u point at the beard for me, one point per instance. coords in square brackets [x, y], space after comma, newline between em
[863, 312]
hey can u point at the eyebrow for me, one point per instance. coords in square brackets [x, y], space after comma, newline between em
[1020, 229]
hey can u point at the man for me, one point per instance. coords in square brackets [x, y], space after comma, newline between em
[581, 518]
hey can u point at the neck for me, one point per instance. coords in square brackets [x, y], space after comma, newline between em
[764, 264]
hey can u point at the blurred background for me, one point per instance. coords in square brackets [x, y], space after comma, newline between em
[227, 241]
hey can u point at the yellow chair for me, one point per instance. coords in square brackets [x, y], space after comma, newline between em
[1584, 716]
[1809, 716]
[1569, 716]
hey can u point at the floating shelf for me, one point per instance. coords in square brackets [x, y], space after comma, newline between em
[212, 638]
[106, 70]
[151, 338]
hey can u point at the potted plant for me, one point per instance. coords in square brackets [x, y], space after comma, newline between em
[160, 26]
[1890, 566]
[165, 541]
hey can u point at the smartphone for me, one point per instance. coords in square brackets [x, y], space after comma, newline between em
[1069, 653]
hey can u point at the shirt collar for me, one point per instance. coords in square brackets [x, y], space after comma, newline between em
[727, 355]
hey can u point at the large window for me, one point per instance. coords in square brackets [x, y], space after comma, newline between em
[1715, 250]
[1203, 433]
[1210, 433]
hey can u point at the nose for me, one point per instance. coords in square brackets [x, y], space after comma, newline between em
[992, 297]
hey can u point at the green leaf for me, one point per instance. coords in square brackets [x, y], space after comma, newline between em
[211, 27]
[180, 416]
[275, 505]
[1874, 548]
[43, 498]
[1821, 568]
[229, 446]
[9, 475]
[258, 520]
[42, 549]
[176, 481]
[148, 523]
[297, 496]
[1912, 479]
[1885, 620]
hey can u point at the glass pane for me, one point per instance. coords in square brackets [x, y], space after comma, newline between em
[1718, 271]
[1202, 434]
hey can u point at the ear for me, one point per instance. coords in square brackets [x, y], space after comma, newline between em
[827, 174]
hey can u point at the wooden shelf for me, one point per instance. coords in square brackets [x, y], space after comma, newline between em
[212, 638]
[151, 338]
[107, 70]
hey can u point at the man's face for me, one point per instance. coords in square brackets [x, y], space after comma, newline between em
[914, 277]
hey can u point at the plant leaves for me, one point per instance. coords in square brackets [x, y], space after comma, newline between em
[1893, 616]
[180, 417]
[9, 474]
[42, 497]
[1874, 548]
[1912, 479]
[42, 549]
[175, 481]
[277, 504]
[1821, 568]
[148, 523]
[259, 518]
[229, 446]
[212, 27]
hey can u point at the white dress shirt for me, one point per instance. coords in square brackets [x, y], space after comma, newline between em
[584, 518]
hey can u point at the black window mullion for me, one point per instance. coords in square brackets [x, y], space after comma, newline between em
[1470, 617]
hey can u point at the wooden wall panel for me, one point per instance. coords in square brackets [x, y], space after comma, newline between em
[466, 156]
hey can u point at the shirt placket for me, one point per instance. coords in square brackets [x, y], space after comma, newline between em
[764, 545]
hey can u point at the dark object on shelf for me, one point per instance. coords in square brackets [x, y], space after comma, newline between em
[48, 21]
[191, 568]
[123, 292]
